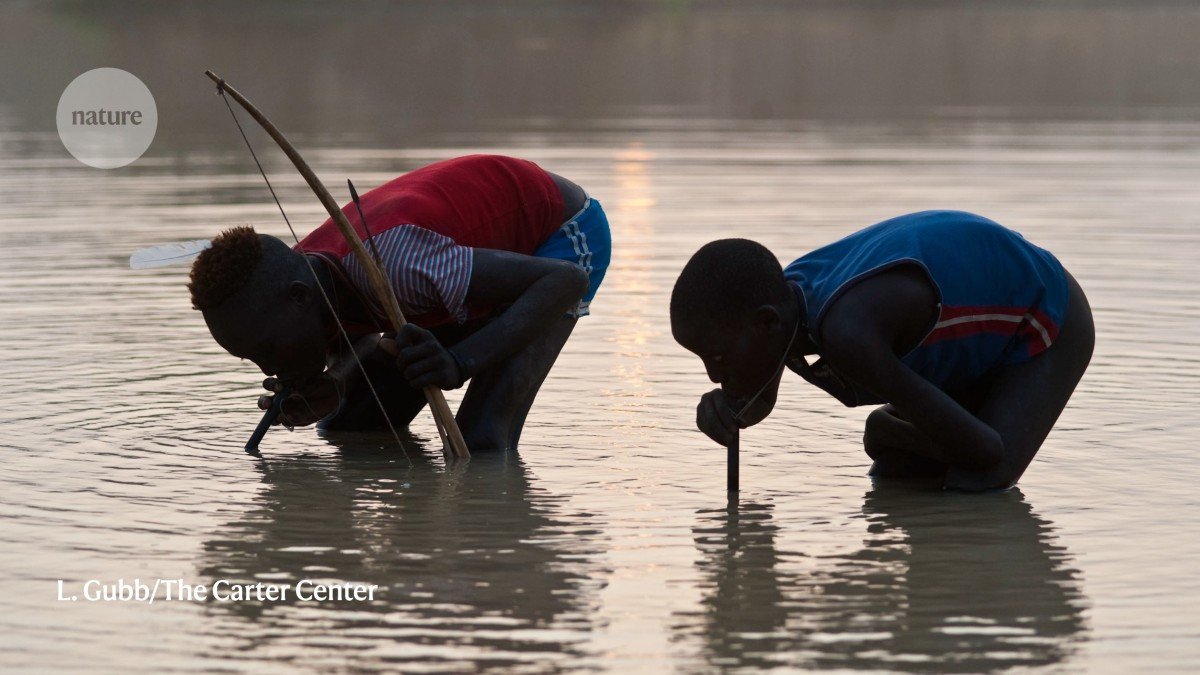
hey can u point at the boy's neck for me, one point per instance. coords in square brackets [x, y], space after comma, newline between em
[795, 310]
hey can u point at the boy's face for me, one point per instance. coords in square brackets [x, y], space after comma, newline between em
[286, 339]
[741, 358]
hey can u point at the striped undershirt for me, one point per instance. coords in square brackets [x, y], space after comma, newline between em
[428, 271]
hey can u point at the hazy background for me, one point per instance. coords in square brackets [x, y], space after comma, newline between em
[392, 69]
[608, 543]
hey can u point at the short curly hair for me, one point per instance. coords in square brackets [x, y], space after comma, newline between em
[225, 268]
[725, 281]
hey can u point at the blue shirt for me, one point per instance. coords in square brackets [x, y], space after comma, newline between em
[1001, 299]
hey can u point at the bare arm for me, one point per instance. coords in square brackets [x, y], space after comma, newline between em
[860, 335]
[540, 291]
[958, 437]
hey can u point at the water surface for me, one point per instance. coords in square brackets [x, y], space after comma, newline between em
[608, 543]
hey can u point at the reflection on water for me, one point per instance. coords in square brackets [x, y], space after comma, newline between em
[943, 582]
[473, 569]
[606, 544]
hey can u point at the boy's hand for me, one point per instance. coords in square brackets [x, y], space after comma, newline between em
[422, 360]
[310, 400]
[715, 418]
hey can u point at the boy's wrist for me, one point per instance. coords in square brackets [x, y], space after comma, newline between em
[461, 364]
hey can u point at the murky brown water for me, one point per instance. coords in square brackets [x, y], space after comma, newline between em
[608, 544]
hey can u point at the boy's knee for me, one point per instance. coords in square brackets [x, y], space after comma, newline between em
[873, 430]
[1000, 477]
[889, 459]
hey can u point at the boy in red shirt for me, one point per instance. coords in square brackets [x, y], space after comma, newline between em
[493, 260]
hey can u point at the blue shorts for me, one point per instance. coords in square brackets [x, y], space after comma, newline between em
[586, 241]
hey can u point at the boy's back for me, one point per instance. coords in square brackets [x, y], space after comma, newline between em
[972, 336]
[1001, 299]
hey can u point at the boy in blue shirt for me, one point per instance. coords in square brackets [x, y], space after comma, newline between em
[972, 338]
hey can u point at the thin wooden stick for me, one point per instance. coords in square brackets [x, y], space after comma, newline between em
[447, 426]
[267, 420]
[732, 460]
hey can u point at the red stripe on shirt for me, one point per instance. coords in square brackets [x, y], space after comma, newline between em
[994, 319]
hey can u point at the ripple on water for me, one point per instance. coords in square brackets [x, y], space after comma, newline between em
[608, 544]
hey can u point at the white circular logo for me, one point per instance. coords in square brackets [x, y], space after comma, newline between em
[107, 118]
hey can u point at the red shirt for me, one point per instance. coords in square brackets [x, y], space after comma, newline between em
[426, 222]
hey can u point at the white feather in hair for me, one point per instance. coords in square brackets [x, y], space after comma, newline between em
[167, 254]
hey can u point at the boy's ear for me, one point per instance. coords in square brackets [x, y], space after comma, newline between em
[300, 293]
[767, 317]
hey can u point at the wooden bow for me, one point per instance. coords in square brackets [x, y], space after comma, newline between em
[447, 427]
